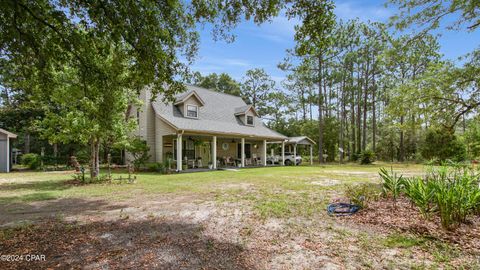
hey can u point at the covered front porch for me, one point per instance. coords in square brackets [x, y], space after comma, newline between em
[190, 151]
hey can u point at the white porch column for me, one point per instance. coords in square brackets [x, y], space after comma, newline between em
[311, 154]
[179, 152]
[283, 153]
[295, 155]
[243, 152]
[214, 152]
[264, 158]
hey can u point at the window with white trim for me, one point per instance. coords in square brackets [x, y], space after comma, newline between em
[192, 111]
[249, 120]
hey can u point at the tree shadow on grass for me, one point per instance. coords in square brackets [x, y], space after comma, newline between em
[17, 212]
[51, 185]
[145, 244]
[36, 191]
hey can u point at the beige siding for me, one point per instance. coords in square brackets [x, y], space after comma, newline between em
[146, 128]
[232, 148]
[150, 131]
[162, 129]
[230, 152]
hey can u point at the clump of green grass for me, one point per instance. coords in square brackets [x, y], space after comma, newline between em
[275, 207]
[281, 205]
[403, 241]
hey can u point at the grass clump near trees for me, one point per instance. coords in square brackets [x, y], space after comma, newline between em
[31, 161]
[363, 194]
[367, 157]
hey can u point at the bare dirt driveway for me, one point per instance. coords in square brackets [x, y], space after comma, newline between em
[265, 218]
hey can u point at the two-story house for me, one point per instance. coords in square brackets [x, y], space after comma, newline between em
[202, 126]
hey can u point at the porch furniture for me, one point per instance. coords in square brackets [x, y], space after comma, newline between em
[190, 163]
[238, 162]
[256, 160]
[229, 161]
[248, 162]
[199, 162]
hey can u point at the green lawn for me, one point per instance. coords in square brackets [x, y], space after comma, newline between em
[280, 210]
[272, 191]
[35, 186]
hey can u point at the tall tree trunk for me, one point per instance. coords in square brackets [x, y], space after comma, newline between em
[352, 114]
[342, 120]
[365, 103]
[325, 95]
[320, 111]
[55, 153]
[359, 112]
[374, 114]
[311, 111]
[26, 143]
[401, 154]
[94, 158]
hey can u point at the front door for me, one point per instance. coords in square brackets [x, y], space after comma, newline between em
[248, 150]
[188, 149]
[204, 153]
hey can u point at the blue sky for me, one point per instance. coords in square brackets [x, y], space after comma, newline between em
[264, 46]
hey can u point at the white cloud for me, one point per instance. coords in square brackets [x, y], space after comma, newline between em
[280, 29]
[235, 62]
[233, 66]
[213, 62]
[348, 10]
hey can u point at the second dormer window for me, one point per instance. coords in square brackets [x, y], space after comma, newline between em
[192, 111]
[249, 120]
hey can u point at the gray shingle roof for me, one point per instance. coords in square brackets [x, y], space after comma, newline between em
[301, 140]
[216, 116]
[242, 109]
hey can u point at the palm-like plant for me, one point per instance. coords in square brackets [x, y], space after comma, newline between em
[392, 183]
[421, 193]
[456, 194]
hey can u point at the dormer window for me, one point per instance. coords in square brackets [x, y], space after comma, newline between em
[192, 111]
[249, 120]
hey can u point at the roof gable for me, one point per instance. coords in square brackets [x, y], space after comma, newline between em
[244, 109]
[189, 94]
[218, 115]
